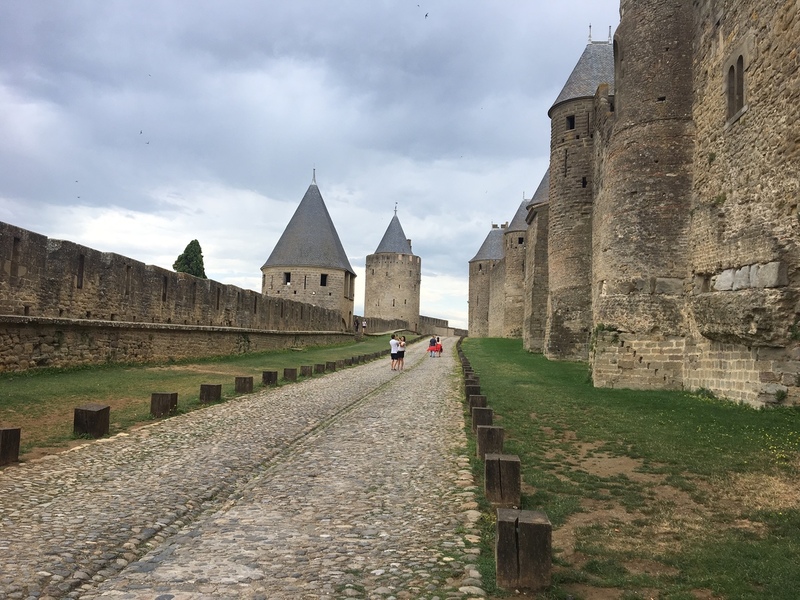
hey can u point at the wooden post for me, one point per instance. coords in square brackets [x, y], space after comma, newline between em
[474, 401]
[348, 362]
[472, 390]
[502, 480]
[9, 445]
[330, 366]
[523, 549]
[319, 368]
[163, 403]
[210, 392]
[340, 364]
[92, 419]
[290, 373]
[269, 377]
[489, 440]
[243, 385]
[306, 370]
[481, 415]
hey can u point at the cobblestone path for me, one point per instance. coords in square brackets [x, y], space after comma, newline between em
[351, 485]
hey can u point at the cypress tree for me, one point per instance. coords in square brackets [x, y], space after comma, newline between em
[191, 261]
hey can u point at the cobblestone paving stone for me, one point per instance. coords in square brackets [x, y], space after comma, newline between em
[351, 485]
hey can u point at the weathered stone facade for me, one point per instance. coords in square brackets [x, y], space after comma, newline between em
[673, 209]
[63, 304]
[393, 276]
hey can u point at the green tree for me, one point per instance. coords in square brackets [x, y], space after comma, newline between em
[191, 261]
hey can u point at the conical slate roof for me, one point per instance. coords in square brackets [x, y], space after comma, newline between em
[595, 66]
[310, 239]
[492, 247]
[518, 223]
[543, 191]
[394, 240]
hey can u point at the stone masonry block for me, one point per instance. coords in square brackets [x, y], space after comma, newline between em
[92, 419]
[741, 278]
[723, 281]
[9, 445]
[243, 385]
[502, 480]
[210, 392]
[523, 549]
[771, 275]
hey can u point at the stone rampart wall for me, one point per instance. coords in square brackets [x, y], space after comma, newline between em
[41, 277]
[497, 299]
[37, 342]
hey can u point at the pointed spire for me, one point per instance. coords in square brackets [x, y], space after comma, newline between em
[394, 240]
[310, 239]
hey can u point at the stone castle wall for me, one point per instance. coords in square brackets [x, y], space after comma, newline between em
[331, 289]
[535, 286]
[478, 309]
[497, 300]
[392, 288]
[673, 256]
[69, 288]
[514, 282]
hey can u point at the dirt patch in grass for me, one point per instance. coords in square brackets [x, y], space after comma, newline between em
[758, 491]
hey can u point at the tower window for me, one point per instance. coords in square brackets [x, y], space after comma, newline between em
[287, 278]
[520, 240]
[323, 280]
[735, 87]
[571, 122]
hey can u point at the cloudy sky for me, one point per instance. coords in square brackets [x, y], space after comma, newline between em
[135, 126]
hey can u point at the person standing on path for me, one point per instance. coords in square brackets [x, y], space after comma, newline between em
[401, 352]
[394, 345]
[432, 346]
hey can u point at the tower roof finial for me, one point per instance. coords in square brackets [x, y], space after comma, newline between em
[395, 209]
[314, 176]
[609, 34]
[590, 33]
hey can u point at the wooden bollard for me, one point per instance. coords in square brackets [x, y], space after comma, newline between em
[476, 400]
[502, 480]
[340, 364]
[306, 370]
[319, 368]
[472, 390]
[330, 366]
[92, 419]
[523, 549]
[163, 403]
[210, 392]
[348, 362]
[290, 373]
[481, 415]
[9, 445]
[269, 377]
[243, 385]
[489, 440]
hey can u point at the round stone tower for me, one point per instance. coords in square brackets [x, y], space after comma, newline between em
[514, 256]
[393, 277]
[309, 264]
[642, 212]
[480, 279]
[569, 321]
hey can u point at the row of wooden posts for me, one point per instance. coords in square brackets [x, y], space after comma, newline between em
[93, 420]
[523, 538]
